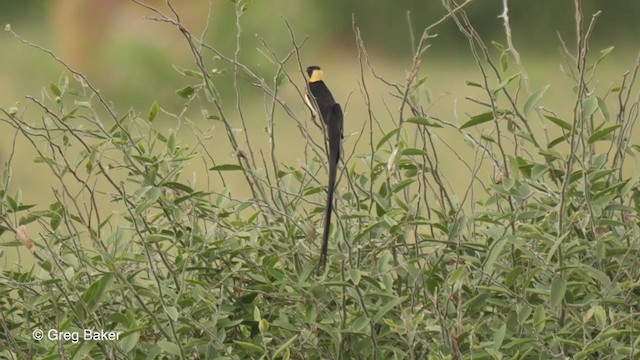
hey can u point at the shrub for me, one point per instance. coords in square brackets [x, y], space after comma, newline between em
[539, 261]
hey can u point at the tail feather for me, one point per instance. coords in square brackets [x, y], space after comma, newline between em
[327, 224]
[334, 122]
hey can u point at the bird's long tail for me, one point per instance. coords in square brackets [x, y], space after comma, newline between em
[334, 127]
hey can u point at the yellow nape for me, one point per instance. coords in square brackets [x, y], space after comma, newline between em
[316, 75]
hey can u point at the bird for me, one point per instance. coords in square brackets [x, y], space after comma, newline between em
[331, 114]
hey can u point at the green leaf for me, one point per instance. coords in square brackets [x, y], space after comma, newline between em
[46, 160]
[523, 314]
[558, 289]
[422, 121]
[178, 186]
[493, 255]
[284, 346]
[532, 101]
[386, 138]
[280, 79]
[504, 61]
[313, 190]
[226, 167]
[355, 276]
[488, 138]
[556, 244]
[601, 277]
[473, 84]
[358, 324]
[561, 123]
[95, 293]
[604, 108]
[420, 82]
[249, 346]
[557, 141]
[604, 53]
[600, 315]
[55, 89]
[413, 151]
[401, 185]
[600, 134]
[188, 72]
[55, 222]
[589, 106]
[478, 119]
[513, 275]
[13, 205]
[498, 337]
[391, 162]
[263, 326]
[477, 302]
[153, 112]
[508, 183]
[537, 171]
[169, 347]
[171, 143]
[143, 159]
[186, 91]
[386, 308]
[130, 341]
[506, 82]
[539, 318]
[31, 217]
[172, 312]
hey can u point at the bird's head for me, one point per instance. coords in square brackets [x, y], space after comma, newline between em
[315, 73]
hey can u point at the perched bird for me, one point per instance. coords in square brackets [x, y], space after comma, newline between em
[331, 114]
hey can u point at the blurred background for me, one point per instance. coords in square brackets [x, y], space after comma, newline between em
[130, 58]
[127, 55]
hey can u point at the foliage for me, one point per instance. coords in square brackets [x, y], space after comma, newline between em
[540, 261]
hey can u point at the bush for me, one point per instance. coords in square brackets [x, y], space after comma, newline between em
[539, 261]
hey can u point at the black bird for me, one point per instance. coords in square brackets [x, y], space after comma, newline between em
[331, 114]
